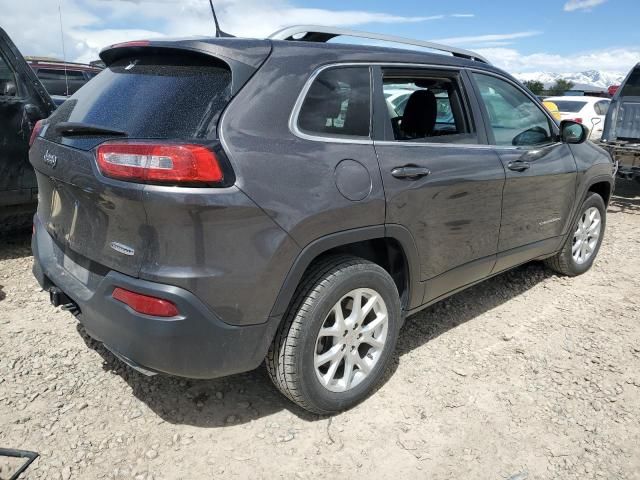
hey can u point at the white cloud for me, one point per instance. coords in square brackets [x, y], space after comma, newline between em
[573, 5]
[463, 15]
[89, 24]
[616, 59]
[490, 38]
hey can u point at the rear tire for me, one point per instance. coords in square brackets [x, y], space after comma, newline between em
[328, 356]
[584, 241]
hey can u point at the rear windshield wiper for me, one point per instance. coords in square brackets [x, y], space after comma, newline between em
[68, 129]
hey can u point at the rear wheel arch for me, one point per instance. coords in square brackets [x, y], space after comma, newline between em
[392, 247]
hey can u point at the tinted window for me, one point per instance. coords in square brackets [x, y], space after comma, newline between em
[338, 103]
[515, 119]
[54, 74]
[632, 87]
[7, 78]
[569, 106]
[154, 97]
[425, 107]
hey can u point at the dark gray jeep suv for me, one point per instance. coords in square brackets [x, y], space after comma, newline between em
[207, 204]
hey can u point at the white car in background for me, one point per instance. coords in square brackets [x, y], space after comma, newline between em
[590, 111]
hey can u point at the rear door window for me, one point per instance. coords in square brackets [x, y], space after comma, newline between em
[338, 104]
[154, 96]
[426, 107]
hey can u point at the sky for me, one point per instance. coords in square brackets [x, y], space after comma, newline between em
[545, 35]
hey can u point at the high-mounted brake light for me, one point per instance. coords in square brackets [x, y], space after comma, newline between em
[145, 304]
[159, 163]
[136, 43]
[37, 128]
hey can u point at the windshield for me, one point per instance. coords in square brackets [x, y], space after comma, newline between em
[569, 106]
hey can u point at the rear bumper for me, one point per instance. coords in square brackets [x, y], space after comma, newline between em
[196, 344]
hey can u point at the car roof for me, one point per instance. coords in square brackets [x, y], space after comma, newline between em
[314, 52]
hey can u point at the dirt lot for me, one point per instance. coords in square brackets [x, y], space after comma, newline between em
[527, 375]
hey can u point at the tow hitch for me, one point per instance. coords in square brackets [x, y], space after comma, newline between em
[60, 299]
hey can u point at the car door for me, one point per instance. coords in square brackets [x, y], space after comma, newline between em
[442, 181]
[540, 170]
[23, 101]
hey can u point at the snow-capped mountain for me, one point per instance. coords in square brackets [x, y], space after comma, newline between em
[589, 78]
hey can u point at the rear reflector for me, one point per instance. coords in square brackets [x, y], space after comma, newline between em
[37, 128]
[159, 163]
[145, 304]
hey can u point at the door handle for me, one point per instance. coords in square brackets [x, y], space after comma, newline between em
[411, 172]
[518, 166]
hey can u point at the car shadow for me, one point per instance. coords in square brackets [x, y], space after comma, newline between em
[626, 197]
[15, 245]
[242, 398]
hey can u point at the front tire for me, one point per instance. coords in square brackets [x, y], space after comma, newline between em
[583, 244]
[338, 336]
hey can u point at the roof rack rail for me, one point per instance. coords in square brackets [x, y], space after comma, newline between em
[317, 33]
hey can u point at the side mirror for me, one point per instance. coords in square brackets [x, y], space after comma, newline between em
[573, 132]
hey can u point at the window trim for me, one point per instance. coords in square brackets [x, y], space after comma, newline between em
[466, 83]
[294, 117]
[555, 132]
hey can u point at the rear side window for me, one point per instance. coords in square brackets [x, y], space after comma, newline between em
[155, 96]
[338, 104]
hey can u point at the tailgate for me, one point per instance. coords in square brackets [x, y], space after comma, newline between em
[89, 217]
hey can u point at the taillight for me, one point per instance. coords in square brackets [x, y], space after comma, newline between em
[146, 304]
[159, 163]
[37, 128]
[578, 120]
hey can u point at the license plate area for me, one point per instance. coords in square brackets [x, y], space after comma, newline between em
[78, 272]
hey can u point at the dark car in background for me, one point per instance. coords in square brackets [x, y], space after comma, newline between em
[23, 101]
[622, 126]
[62, 78]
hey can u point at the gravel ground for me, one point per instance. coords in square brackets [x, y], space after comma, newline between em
[527, 375]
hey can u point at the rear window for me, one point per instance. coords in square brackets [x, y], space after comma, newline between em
[177, 96]
[569, 106]
[632, 87]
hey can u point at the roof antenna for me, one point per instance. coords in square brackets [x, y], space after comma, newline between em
[64, 53]
[219, 33]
